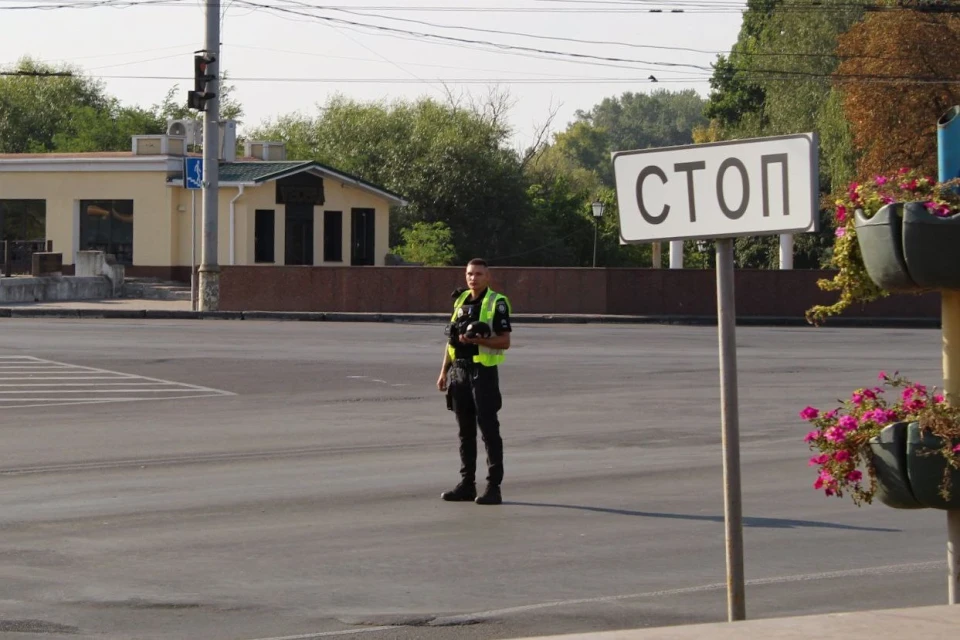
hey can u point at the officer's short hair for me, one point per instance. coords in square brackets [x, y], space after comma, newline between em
[478, 262]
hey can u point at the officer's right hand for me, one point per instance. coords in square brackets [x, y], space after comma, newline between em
[442, 381]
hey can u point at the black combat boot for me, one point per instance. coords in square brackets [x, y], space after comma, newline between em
[490, 496]
[464, 492]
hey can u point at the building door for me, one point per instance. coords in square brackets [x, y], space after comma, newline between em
[299, 236]
[362, 237]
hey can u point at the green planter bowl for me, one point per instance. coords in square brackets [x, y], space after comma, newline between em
[931, 247]
[925, 469]
[881, 245]
[889, 451]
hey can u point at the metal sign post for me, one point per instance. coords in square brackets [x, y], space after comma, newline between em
[193, 180]
[720, 191]
[730, 431]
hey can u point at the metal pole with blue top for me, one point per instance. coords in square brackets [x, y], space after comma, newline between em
[948, 166]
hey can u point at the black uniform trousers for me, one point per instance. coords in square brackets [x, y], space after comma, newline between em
[473, 394]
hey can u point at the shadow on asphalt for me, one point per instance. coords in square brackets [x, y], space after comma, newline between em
[766, 523]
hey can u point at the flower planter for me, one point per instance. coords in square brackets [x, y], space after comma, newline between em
[881, 245]
[889, 450]
[925, 469]
[931, 247]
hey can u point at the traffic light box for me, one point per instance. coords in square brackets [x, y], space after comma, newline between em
[197, 99]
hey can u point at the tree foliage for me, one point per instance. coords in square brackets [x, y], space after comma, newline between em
[37, 106]
[898, 77]
[428, 244]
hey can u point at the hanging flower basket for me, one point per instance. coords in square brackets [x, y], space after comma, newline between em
[934, 482]
[898, 442]
[894, 234]
[889, 451]
[931, 246]
[880, 238]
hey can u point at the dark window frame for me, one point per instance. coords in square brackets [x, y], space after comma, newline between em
[122, 251]
[14, 210]
[333, 250]
[270, 229]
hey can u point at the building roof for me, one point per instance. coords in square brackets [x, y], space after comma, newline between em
[87, 154]
[245, 171]
[253, 172]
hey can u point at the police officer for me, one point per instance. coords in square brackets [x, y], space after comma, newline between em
[479, 334]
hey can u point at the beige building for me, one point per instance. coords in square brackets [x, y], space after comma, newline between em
[135, 205]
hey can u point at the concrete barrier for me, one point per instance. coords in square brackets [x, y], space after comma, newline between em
[93, 264]
[54, 288]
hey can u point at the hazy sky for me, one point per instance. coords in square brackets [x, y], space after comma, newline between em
[143, 47]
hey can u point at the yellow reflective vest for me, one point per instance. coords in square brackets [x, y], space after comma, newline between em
[487, 357]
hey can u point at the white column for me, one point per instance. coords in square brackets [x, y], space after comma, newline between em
[676, 254]
[786, 251]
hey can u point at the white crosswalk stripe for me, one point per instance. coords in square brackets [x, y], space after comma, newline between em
[26, 381]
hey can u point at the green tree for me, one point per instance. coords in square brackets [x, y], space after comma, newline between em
[778, 80]
[106, 129]
[427, 243]
[451, 163]
[38, 104]
[631, 121]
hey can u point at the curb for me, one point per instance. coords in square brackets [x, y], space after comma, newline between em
[420, 318]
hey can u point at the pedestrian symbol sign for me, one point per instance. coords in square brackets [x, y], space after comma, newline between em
[193, 173]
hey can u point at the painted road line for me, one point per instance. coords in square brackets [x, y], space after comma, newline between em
[28, 381]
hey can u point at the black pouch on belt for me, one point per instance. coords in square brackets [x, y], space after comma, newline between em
[458, 387]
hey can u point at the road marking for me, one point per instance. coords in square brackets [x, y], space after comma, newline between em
[914, 567]
[27, 381]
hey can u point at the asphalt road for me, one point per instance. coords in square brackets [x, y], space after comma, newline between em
[282, 480]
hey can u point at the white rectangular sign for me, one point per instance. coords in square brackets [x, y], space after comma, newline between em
[751, 187]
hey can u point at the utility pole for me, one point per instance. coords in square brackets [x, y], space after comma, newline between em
[209, 271]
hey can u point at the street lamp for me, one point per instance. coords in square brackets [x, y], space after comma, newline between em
[597, 214]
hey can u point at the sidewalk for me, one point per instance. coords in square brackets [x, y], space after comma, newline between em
[930, 623]
[133, 308]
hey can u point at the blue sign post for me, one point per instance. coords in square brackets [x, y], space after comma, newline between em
[193, 173]
[193, 180]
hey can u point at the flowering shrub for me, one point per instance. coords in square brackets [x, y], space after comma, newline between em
[841, 436]
[851, 279]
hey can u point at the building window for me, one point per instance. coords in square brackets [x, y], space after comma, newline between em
[263, 236]
[23, 220]
[363, 237]
[107, 225]
[333, 236]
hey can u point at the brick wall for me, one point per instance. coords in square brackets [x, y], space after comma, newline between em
[687, 292]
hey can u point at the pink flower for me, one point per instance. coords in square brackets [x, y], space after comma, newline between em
[855, 476]
[841, 213]
[943, 211]
[938, 398]
[857, 399]
[841, 456]
[818, 461]
[903, 171]
[887, 200]
[956, 449]
[840, 232]
[812, 436]
[881, 180]
[828, 491]
[870, 393]
[882, 375]
[835, 434]
[848, 423]
[809, 413]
